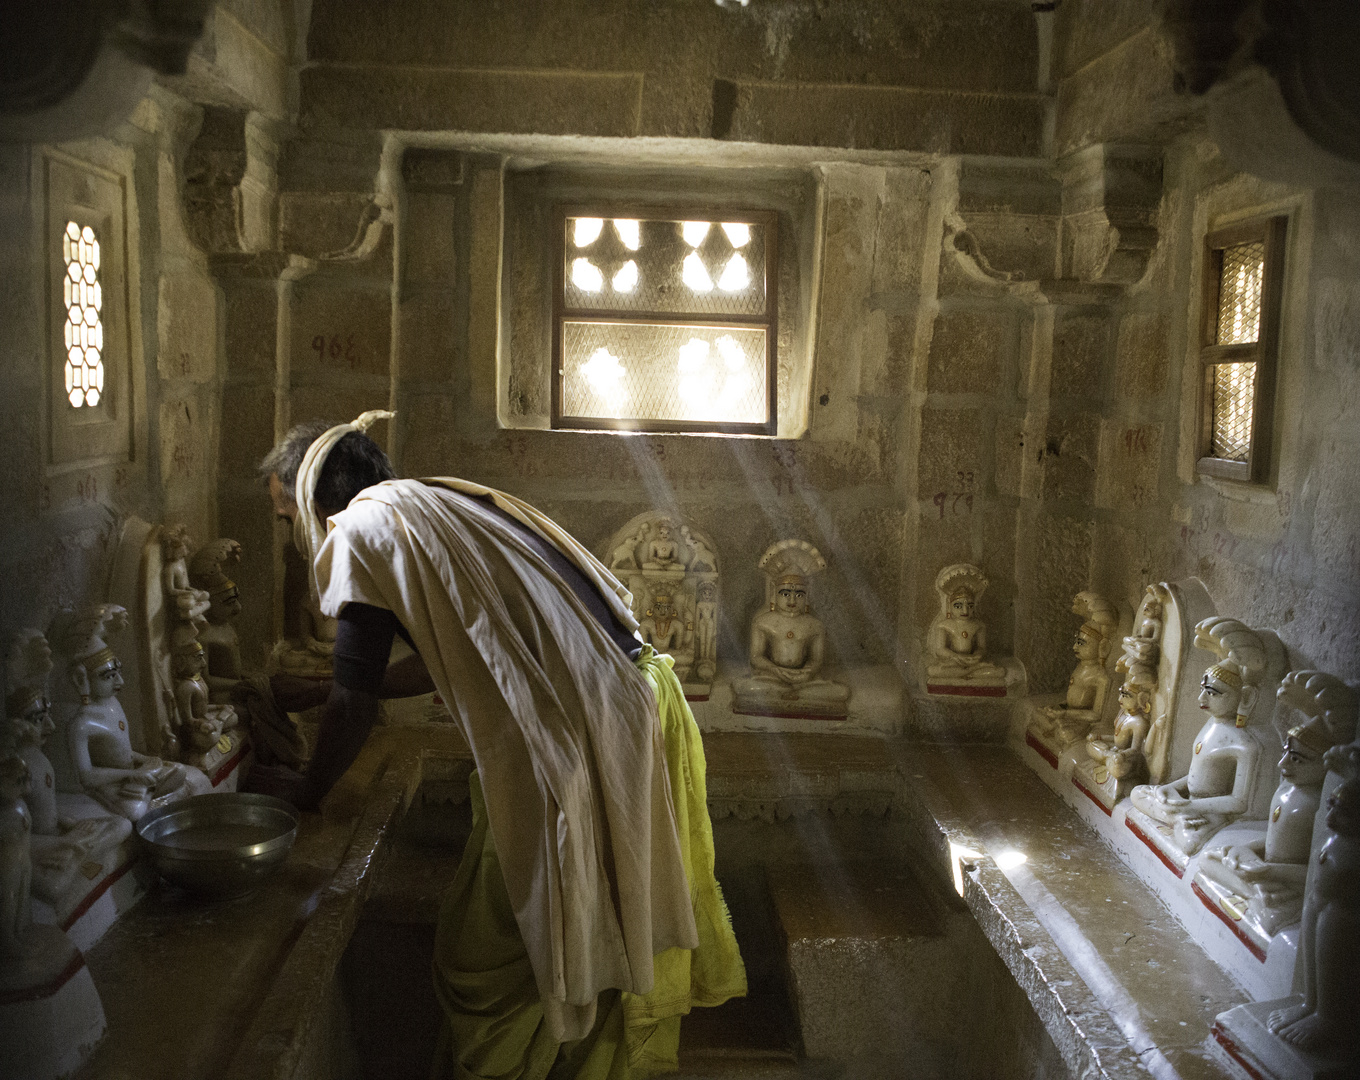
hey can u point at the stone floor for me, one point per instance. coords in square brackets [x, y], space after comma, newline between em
[836, 856]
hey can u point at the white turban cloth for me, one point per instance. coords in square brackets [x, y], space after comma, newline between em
[309, 531]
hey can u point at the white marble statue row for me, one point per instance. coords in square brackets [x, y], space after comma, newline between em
[77, 770]
[1232, 831]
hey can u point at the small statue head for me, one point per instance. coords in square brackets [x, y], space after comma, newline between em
[1343, 805]
[15, 778]
[1135, 695]
[175, 542]
[663, 531]
[663, 606]
[97, 676]
[189, 661]
[1089, 644]
[790, 595]
[1229, 688]
[1224, 695]
[961, 603]
[707, 592]
[29, 711]
[206, 572]
[1305, 747]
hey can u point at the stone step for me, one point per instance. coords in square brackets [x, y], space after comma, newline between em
[867, 953]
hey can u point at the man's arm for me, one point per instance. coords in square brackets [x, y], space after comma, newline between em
[408, 677]
[346, 720]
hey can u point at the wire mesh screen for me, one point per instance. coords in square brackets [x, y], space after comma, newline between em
[636, 371]
[1234, 398]
[1239, 294]
[704, 268]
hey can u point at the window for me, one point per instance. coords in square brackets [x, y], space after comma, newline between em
[84, 329]
[665, 320]
[89, 415]
[1243, 271]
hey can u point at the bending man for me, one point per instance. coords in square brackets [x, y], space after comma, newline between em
[589, 876]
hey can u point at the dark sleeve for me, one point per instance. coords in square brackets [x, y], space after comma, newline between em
[363, 642]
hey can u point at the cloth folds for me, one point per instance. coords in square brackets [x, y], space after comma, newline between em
[563, 728]
[495, 1025]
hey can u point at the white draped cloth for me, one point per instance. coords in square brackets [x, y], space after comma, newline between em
[563, 727]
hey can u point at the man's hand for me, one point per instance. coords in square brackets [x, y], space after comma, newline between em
[281, 782]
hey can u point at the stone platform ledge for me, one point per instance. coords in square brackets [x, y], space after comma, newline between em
[260, 971]
[1120, 986]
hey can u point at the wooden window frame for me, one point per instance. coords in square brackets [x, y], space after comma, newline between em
[769, 321]
[1270, 233]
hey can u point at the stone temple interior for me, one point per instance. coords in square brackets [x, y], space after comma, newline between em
[1047, 320]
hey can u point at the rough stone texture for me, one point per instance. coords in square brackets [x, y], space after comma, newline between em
[883, 118]
[967, 351]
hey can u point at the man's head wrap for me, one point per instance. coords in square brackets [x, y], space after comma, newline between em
[309, 531]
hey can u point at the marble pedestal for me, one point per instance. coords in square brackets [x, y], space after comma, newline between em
[1241, 1040]
[50, 1013]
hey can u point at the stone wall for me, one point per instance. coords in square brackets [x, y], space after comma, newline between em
[1002, 288]
[62, 520]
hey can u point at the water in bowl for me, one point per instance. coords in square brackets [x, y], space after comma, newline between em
[218, 837]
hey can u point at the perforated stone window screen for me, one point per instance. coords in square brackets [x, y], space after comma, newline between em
[83, 333]
[1243, 271]
[663, 320]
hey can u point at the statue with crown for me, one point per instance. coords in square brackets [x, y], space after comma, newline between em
[788, 643]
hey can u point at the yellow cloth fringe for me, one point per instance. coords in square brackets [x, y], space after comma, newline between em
[495, 1026]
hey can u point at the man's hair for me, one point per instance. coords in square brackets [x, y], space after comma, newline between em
[354, 463]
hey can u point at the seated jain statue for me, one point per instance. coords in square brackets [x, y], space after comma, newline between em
[218, 637]
[1324, 1024]
[956, 643]
[61, 845]
[1089, 684]
[201, 723]
[662, 553]
[107, 768]
[1120, 753]
[788, 642]
[16, 868]
[1269, 873]
[1222, 774]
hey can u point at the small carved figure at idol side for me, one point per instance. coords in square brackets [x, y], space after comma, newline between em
[16, 827]
[1222, 776]
[956, 643]
[1119, 753]
[185, 601]
[706, 630]
[219, 638]
[662, 553]
[788, 642]
[1323, 1024]
[61, 844]
[1269, 873]
[108, 769]
[624, 555]
[701, 558]
[1089, 684]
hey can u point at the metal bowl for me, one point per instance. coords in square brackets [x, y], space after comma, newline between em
[220, 845]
